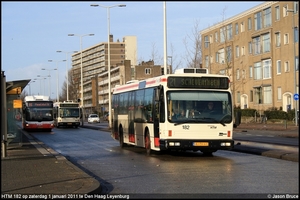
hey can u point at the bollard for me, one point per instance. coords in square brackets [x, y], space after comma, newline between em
[285, 124]
[4, 152]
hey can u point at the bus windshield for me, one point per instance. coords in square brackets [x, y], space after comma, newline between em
[190, 106]
[39, 114]
[69, 112]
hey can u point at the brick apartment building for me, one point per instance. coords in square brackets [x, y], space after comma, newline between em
[259, 50]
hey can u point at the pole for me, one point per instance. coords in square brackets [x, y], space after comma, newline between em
[295, 71]
[109, 83]
[57, 97]
[165, 40]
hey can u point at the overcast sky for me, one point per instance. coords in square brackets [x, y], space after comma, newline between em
[32, 32]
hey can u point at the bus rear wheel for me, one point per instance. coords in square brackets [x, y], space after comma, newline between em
[121, 138]
[147, 144]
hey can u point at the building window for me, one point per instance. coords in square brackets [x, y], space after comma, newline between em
[256, 45]
[222, 72]
[229, 31]
[284, 9]
[277, 13]
[286, 38]
[237, 51]
[243, 74]
[297, 63]
[277, 39]
[257, 71]
[216, 36]
[267, 69]
[236, 28]
[238, 74]
[217, 57]
[206, 61]
[266, 43]
[257, 21]
[286, 67]
[228, 54]
[221, 56]
[206, 42]
[242, 27]
[267, 94]
[279, 93]
[251, 95]
[267, 17]
[250, 72]
[243, 51]
[222, 34]
[278, 63]
[249, 23]
[296, 34]
[147, 71]
[238, 97]
[250, 47]
[296, 6]
[258, 95]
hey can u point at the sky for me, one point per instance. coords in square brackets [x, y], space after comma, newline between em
[32, 32]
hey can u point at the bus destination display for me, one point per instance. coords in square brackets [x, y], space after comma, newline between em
[40, 104]
[198, 82]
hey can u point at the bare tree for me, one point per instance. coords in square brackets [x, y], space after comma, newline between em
[174, 63]
[193, 55]
[73, 94]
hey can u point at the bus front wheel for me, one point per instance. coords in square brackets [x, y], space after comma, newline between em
[147, 143]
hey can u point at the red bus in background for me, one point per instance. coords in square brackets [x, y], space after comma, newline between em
[37, 113]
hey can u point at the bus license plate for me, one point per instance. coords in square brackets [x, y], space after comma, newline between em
[69, 123]
[202, 144]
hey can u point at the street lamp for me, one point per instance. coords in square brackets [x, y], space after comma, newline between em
[108, 49]
[39, 79]
[49, 79]
[295, 71]
[45, 77]
[57, 96]
[67, 72]
[81, 74]
[30, 86]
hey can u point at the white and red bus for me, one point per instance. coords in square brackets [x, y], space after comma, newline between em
[67, 114]
[144, 113]
[37, 113]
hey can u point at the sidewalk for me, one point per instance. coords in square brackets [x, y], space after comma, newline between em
[31, 168]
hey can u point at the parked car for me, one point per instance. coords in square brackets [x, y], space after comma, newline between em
[93, 118]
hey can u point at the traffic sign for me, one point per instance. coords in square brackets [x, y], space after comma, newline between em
[296, 97]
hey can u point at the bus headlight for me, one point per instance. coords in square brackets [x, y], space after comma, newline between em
[225, 144]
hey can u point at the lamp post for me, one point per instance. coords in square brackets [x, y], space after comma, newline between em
[30, 86]
[108, 49]
[295, 71]
[49, 79]
[81, 73]
[56, 61]
[39, 79]
[67, 72]
[44, 77]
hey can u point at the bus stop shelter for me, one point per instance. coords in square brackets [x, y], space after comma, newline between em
[11, 109]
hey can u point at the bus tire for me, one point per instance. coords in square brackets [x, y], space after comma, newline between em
[147, 143]
[121, 138]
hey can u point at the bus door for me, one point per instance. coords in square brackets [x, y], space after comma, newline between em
[157, 112]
